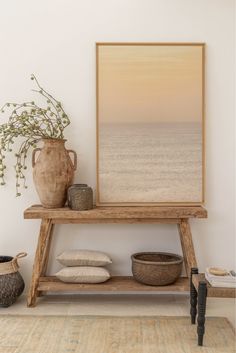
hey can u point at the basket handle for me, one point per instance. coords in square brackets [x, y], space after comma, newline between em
[14, 260]
[20, 255]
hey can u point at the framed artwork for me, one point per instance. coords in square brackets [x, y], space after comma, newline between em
[150, 123]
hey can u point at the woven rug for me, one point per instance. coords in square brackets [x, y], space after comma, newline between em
[78, 334]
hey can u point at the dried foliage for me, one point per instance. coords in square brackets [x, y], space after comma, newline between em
[30, 123]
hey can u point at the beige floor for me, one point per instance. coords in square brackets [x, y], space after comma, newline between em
[139, 304]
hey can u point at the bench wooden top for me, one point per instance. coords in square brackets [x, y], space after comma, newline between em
[126, 213]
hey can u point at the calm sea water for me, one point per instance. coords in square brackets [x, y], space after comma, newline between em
[150, 162]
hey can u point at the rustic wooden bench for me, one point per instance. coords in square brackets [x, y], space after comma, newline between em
[200, 289]
[179, 215]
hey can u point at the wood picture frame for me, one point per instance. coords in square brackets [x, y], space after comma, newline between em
[137, 83]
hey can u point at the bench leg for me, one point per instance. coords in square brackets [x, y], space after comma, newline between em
[202, 295]
[193, 297]
[46, 254]
[187, 245]
[40, 259]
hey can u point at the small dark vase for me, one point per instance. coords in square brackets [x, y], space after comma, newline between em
[80, 197]
[11, 281]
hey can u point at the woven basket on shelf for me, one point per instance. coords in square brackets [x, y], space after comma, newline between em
[156, 268]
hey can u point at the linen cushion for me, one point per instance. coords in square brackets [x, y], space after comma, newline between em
[83, 258]
[83, 274]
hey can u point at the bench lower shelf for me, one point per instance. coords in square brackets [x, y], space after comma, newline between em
[115, 284]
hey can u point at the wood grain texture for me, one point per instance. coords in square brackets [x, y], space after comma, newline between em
[115, 284]
[46, 253]
[117, 221]
[177, 215]
[124, 214]
[39, 260]
[187, 245]
[47, 249]
[217, 292]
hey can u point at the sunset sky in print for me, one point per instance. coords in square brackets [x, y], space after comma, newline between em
[149, 83]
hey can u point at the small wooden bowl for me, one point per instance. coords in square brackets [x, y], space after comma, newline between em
[217, 271]
[156, 268]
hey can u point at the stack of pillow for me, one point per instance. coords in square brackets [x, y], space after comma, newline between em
[83, 266]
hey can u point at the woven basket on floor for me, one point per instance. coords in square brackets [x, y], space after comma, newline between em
[156, 268]
[11, 281]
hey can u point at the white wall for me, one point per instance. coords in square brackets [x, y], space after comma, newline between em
[55, 39]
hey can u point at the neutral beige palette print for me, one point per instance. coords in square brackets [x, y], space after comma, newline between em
[150, 123]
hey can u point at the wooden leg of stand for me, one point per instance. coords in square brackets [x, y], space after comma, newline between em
[44, 234]
[187, 245]
[193, 298]
[46, 254]
[202, 295]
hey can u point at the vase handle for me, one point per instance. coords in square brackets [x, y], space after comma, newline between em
[75, 158]
[33, 155]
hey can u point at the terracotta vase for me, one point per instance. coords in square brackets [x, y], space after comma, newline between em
[53, 172]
